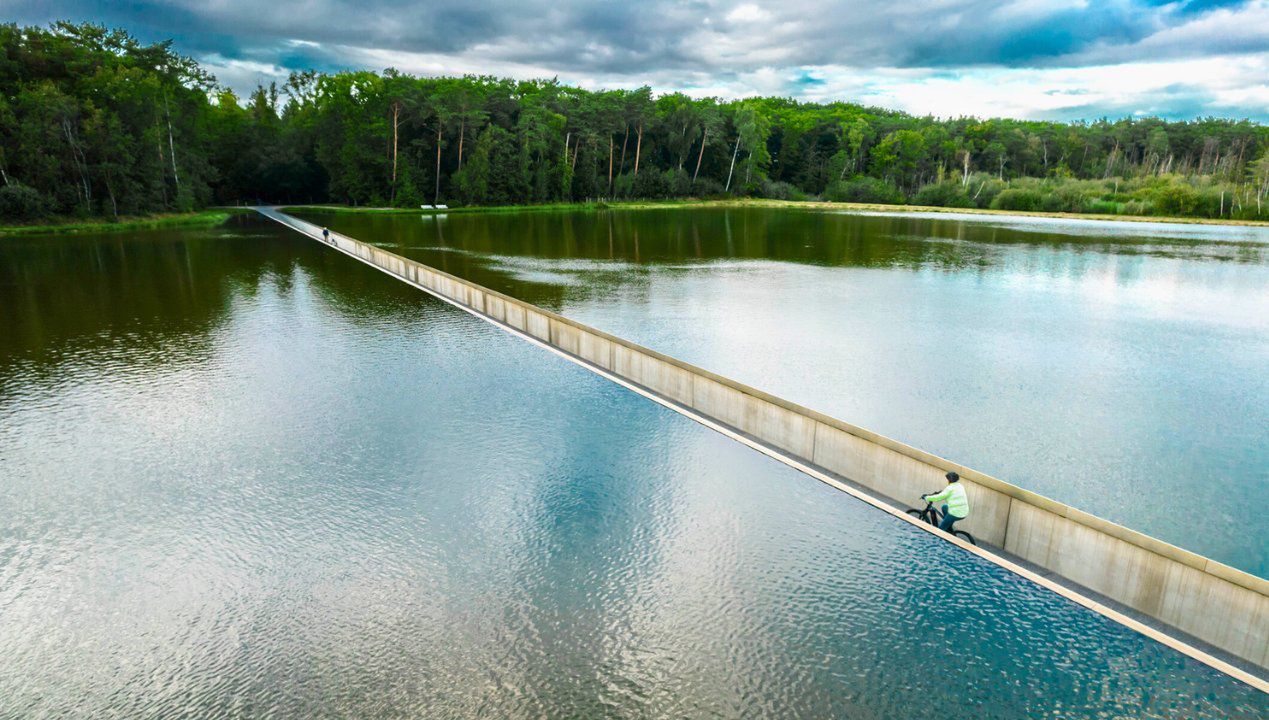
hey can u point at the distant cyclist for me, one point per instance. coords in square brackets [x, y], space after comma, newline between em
[326, 235]
[956, 502]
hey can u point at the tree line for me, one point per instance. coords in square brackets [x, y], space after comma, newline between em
[96, 123]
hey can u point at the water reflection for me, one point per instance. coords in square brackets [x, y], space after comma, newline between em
[1103, 364]
[339, 498]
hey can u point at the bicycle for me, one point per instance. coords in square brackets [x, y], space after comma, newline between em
[932, 516]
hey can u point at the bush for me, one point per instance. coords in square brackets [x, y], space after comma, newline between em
[1176, 200]
[623, 186]
[1067, 196]
[707, 187]
[20, 202]
[778, 190]
[944, 194]
[1018, 199]
[650, 184]
[864, 189]
[983, 188]
[1137, 207]
[678, 183]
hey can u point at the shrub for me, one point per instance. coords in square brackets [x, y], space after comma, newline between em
[983, 188]
[779, 190]
[1176, 199]
[944, 194]
[863, 189]
[623, 186]
[706, 187]
[650, 184]
[1067, 196]
[20, 202]
[1138, 207]
[1018, 199]
[678, 183]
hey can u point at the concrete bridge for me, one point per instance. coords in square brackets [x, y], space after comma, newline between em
[1212, 612]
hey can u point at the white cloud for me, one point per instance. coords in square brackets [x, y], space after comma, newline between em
[243, 75]
[747, 13]
[1057, 58]
[1225, 85]
[1183, 88]
[1221, 31]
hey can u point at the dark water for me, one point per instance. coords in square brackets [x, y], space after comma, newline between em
[244, 476]
[1119, 367]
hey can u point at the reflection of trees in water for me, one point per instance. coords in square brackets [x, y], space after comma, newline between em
[525, 254]
[676, 235]
[164, 294]
[87, 290]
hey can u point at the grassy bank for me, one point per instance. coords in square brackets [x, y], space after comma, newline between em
[800, 204]
[541, 207]
[70, 226]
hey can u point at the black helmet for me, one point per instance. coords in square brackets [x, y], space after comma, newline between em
[952, 477]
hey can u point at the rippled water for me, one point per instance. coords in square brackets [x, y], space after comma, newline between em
[244, 476]
[1119, 367]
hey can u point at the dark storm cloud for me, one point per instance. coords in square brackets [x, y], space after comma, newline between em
[655, 35]
[808, 48]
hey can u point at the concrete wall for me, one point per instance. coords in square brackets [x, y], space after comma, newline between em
[1218, 604]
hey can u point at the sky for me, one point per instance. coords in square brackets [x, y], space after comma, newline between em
[1037, 59]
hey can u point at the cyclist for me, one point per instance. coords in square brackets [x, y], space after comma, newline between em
[956, 502]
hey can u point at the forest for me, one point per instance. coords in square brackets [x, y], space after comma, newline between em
[94, 123]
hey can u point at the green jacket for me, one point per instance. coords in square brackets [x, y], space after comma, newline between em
[957, 500]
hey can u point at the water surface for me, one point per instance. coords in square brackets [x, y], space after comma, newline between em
[243, 475]
[1122, 368]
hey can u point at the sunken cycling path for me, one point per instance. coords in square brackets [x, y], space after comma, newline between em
[1203, 608]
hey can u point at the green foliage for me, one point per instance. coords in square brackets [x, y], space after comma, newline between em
[777, 190]
[1167, 195]
[754, 128]
[95, 123]
[706, 188]
[99, 124]
[19, 202]
[1018, 199]
[898, 156]
[864, 189]
[1176, 200]
[650, 185]
[62, 226]
[949, 193]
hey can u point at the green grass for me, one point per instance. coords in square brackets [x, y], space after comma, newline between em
[71, 226]
[540, 207]
[219, 215]
[758, 202]
[878, 207]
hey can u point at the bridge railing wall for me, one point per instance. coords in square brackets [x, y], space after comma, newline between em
[1213, 602]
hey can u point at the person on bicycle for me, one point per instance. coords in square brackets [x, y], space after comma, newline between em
[956, 502]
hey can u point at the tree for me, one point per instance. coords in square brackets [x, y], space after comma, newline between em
[93, 122]
[711, 126]
[753, 128]
[898, 155]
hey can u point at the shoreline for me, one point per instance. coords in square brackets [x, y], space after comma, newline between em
[146, 222]
[219, 215]
[792, 204]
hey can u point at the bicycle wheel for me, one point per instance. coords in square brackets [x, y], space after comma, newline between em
[918, 514]
[965, 536]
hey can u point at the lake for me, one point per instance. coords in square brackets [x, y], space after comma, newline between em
[1122, 368]
[244, 475]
